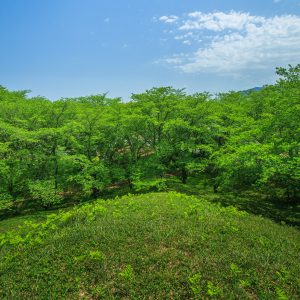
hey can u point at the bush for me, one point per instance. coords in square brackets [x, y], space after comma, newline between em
[45, 194]
[150, 185]
[6, 203]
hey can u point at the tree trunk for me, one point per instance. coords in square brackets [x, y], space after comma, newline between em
[130, 184]
[184, 175]
[215, 187]
[11, 188]
[55, 173]
[95, 193]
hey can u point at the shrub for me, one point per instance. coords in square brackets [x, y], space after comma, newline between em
[45, 194]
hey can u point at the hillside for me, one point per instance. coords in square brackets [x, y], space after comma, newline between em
[150, 246]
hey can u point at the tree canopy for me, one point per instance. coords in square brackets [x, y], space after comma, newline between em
[78, 147]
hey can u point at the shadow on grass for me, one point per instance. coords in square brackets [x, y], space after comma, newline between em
[12, 222]
[253, 203]
[249, 201]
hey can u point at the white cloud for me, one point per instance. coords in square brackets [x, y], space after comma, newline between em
[239, 42]
[168, 19]
[187, 42]
[184, 36]
[219, 21]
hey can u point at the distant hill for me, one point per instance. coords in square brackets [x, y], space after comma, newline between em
[255, 89]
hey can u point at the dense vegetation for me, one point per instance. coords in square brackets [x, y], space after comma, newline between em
[151, 246]
[51, 152]
[236, 148]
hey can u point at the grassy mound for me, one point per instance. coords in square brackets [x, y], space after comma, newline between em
[152, 246]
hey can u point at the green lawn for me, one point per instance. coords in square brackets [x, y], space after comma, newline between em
[151, 246]
[13, 223]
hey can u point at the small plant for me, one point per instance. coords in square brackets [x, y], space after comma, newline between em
[213, 290]
[282, 275]
[99, 209]
[194, 283]
[91, 255]
[235, 269]
[244, 283]
[96, 255]
[127, 273]
[99, 292]
[280, 294]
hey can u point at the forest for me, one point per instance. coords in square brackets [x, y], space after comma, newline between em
[105, 199]
[78, 148]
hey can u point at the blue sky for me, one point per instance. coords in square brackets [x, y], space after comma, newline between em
[67, 48]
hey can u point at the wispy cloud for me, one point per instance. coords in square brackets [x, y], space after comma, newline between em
[168, 19]
[237, 42]
[219, 21]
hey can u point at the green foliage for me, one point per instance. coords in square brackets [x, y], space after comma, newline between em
[164, 246]
[149, 184]
[195, 283]
[292, 74]
[82, 147]
[236, 271]
[212, 290]
[91, 255]
[127, 273]
[44, 193]
[6, 202]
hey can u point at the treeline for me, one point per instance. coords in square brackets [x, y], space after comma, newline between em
[77, 147]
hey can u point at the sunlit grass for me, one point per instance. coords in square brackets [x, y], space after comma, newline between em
[157, 245]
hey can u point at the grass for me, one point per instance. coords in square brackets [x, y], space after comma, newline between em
[253, 202]
[151, 246]
[13, 223]
[250, 201]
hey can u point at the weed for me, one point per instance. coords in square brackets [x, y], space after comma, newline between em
[127, 273]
